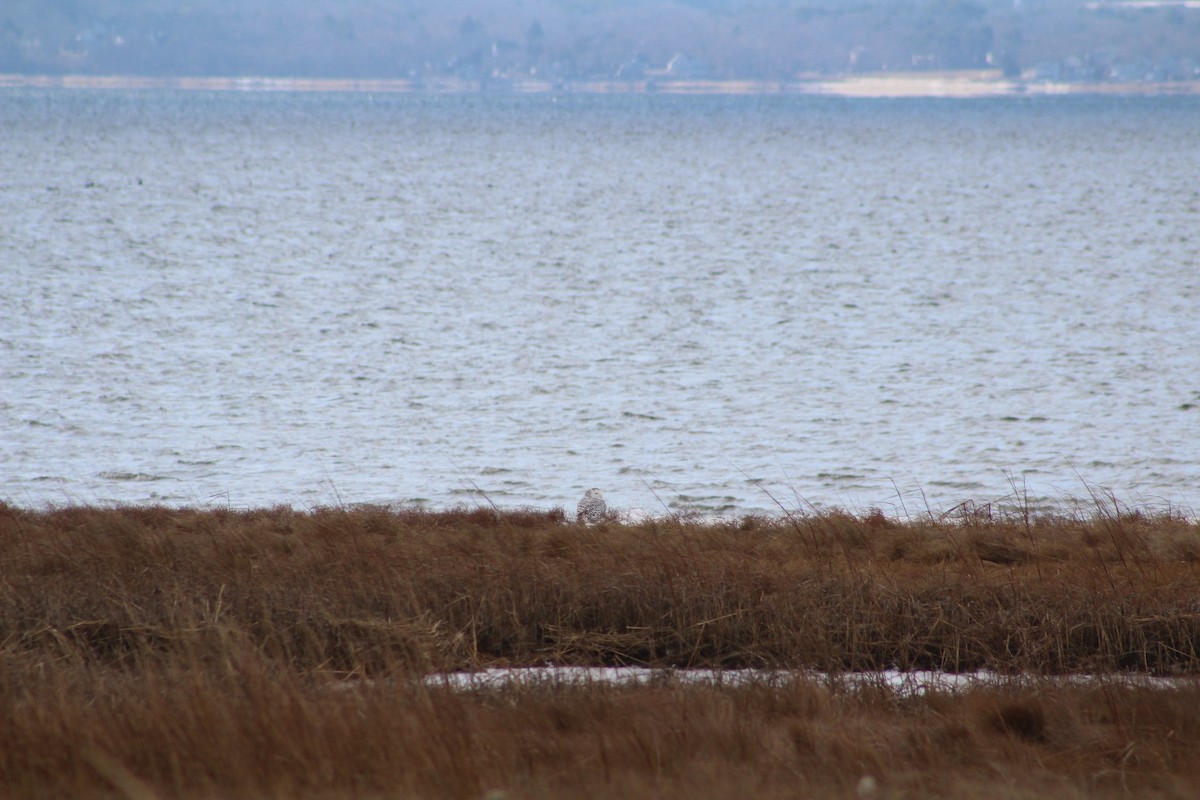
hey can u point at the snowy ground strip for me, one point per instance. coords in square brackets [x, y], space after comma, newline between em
[903, 683]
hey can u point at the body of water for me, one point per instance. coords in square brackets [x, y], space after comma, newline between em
[710, 304]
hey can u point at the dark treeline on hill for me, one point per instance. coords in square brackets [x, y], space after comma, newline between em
[565, 40]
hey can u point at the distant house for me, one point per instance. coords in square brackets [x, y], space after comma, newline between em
[1047, 71]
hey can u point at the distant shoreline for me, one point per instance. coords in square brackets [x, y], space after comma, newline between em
[959, 84]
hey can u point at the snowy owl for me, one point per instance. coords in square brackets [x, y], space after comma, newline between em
[591, 508]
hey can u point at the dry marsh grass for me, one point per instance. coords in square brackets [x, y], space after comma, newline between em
[370, 591]
[248, 729]
[153, 652]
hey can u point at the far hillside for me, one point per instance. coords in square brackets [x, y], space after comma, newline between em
[565, 40]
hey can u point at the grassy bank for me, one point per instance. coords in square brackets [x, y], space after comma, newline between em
[152, 652]
[247, 729]
[371, 592]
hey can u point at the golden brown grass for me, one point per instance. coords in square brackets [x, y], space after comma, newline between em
[245, 728]
[152, 652]
[369, 592]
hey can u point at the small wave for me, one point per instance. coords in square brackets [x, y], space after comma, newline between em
[963, 485]
[109, 475]
[634, 415]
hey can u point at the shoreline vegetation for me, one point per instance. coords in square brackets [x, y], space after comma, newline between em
[152, 652]
[951, 83]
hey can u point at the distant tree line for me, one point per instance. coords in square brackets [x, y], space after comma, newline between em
[564, 40]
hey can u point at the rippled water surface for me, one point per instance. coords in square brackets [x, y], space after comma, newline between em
[693, 303]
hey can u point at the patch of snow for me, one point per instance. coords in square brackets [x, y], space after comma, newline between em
[912, 683]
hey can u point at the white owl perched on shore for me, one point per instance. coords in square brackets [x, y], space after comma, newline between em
[591, 508]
